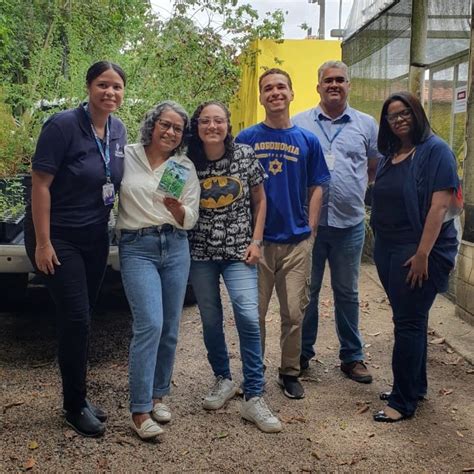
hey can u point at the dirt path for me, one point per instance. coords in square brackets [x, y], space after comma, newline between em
[331, 429]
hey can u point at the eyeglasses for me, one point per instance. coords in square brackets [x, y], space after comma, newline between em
[205, 121]
[165, 125]
[338, 80]
[403, 114]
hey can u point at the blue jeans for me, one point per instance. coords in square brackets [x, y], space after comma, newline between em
[342, 248]
[155, 266]
[241, 282]
[410, 308]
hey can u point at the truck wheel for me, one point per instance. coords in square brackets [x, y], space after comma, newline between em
[13, 287]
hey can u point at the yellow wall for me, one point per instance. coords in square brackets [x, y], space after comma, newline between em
[300, 58]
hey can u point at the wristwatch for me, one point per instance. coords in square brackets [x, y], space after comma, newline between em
[257, 242]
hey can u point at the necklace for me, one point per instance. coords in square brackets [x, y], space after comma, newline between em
[399, 157]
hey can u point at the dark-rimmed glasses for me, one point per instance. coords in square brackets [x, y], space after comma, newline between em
[403, 114]
[165, 125]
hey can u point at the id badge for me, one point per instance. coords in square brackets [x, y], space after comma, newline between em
[330, 160]
[108, 194]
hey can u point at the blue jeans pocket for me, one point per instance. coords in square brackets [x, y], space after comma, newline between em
[181, 234]
[128, 238]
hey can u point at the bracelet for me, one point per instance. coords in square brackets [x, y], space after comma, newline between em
[257, 242]
[42, 247]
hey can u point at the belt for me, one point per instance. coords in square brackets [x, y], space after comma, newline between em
[155, 229]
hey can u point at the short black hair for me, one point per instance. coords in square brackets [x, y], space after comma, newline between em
[101, 66]
[195, 146]
[387, 141]
[274, 70]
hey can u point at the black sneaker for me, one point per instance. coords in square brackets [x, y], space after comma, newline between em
[85, 423]
[291, 386]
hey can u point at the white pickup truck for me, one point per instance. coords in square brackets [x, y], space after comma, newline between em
[16, 270]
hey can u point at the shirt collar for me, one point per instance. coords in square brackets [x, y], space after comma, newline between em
[345, 117]
[85, 125]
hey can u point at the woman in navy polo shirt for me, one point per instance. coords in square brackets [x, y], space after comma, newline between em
[154, 256]
[77, 169]
[415, 239]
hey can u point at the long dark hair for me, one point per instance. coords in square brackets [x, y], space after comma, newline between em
[387, 142]
[101, 66]
[195, 146]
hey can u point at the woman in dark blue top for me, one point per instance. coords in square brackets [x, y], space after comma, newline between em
[415, 242]
[77, 169]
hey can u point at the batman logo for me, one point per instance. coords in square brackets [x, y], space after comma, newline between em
[219, 191]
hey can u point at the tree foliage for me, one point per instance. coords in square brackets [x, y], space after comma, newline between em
[46, 47]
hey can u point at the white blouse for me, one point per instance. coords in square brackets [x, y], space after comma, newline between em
[138, 206]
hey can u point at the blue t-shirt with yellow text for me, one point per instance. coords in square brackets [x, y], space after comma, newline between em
[293, 161]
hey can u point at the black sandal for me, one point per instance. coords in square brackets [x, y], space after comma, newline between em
[382, 417]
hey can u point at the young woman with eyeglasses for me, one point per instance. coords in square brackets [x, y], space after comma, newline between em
[415, 242]
[154, 257]
[226, 242]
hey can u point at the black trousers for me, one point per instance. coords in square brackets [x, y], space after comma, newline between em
[410, 309]
[74, 288]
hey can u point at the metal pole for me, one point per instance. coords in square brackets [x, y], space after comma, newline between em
[322, 15]
[419, 24]
[340, 14]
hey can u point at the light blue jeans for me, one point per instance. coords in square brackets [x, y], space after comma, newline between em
[154, 264]
[342, 249]
[241, 283]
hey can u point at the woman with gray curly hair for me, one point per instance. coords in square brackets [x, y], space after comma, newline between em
[159, 201]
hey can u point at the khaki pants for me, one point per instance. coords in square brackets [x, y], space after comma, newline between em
[287, 267]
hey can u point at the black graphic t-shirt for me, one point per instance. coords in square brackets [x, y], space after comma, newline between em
[224, 228]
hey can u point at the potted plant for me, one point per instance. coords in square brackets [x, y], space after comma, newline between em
[15, 150]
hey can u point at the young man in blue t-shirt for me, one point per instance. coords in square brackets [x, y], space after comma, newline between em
[294, 162]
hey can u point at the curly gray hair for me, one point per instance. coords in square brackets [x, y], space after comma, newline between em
[148, 124]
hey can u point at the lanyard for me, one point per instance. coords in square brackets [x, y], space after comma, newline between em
[330, 140]
[105, 154]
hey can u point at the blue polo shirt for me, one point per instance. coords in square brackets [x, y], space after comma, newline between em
[352, 140]
[294, 162]
[67, 150]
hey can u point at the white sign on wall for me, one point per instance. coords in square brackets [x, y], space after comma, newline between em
[460, 99]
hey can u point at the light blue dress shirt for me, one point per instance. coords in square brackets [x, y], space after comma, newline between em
[348, 141]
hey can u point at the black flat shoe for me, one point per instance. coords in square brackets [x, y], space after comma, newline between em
[85, 423]
[385, 396]
[100, 414]
[382, 417]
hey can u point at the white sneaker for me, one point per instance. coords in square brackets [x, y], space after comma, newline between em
[223, 391]
[161, 413]
[257, 411]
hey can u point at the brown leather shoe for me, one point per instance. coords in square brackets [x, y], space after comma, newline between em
[357, 371]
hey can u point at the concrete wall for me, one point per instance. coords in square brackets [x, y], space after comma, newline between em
[465, 282]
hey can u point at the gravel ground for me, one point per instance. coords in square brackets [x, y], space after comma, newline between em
[330, 430]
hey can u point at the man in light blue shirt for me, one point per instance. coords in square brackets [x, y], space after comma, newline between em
[349, 141]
